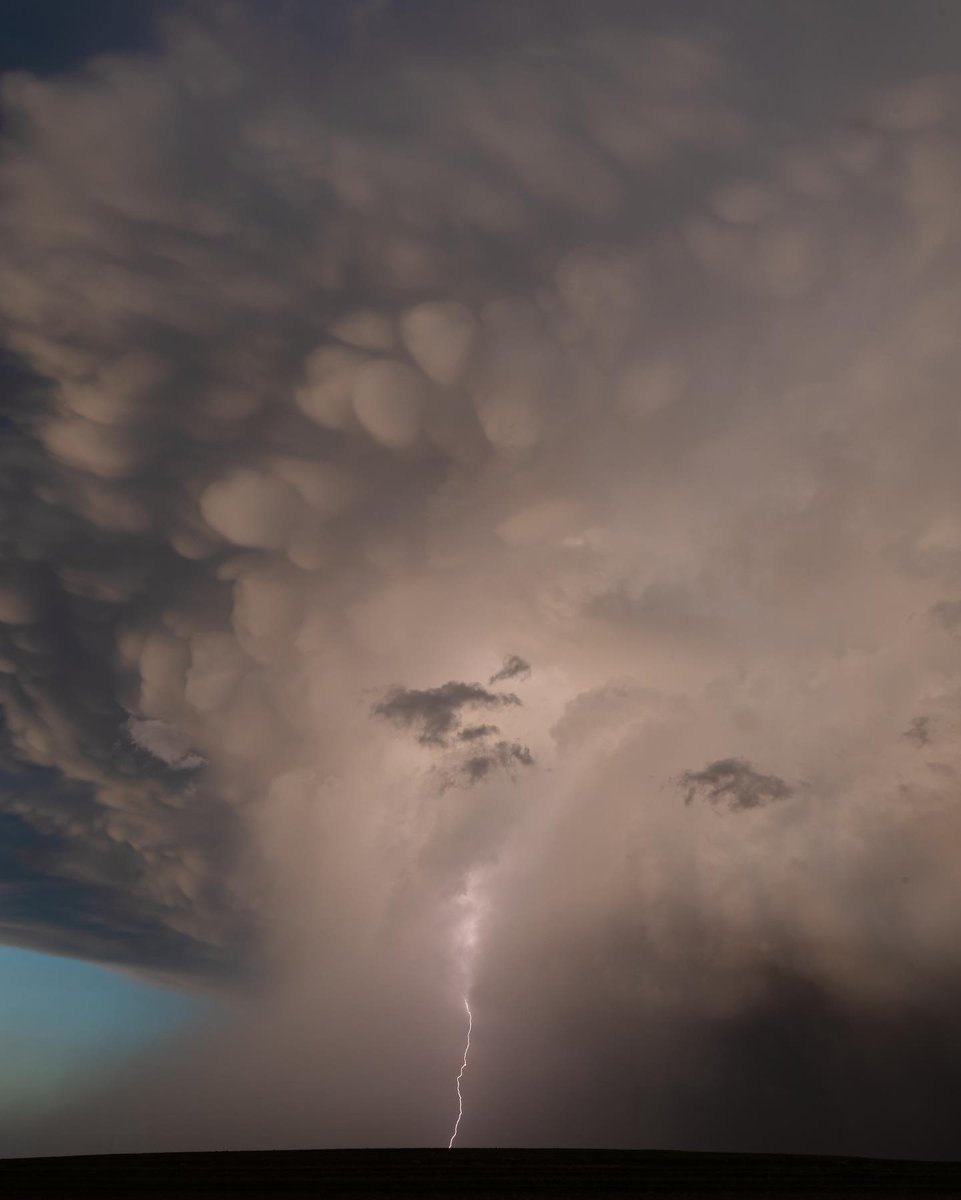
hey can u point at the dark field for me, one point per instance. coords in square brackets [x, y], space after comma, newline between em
[474, 1173]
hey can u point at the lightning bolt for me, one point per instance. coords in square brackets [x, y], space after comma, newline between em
[460, 1075]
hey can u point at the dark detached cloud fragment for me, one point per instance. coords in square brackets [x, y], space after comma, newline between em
[514, 668]
[502, 756]
[947, 613]
[472, 733]
[920, 731]
[435, 712]
[735, 783]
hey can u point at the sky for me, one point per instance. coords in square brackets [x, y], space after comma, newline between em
[479, 523]
[65, 1024]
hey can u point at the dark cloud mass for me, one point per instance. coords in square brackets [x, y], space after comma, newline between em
[351, 343]
[514, 668]
[735, 784]
[920, 731]
[502, 754]
[471, 733]
[435, 712]
[948, 614]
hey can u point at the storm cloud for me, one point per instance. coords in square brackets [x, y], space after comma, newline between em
[393, 342]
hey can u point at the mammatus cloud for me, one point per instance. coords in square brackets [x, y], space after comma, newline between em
[624, 339]
[735, 784]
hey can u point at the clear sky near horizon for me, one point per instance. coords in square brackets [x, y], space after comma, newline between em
[479, 523]
[67, 1025]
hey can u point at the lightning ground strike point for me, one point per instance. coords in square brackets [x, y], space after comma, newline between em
[460, 1074]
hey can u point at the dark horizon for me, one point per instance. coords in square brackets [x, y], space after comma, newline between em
[478, 1172]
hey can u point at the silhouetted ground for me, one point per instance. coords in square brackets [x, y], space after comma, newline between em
[474, 1173]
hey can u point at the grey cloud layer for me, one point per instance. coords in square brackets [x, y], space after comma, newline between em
[592, 348]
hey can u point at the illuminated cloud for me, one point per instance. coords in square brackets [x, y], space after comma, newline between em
[164, 742]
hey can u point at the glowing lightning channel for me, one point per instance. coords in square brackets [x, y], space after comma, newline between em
[460, 1073]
